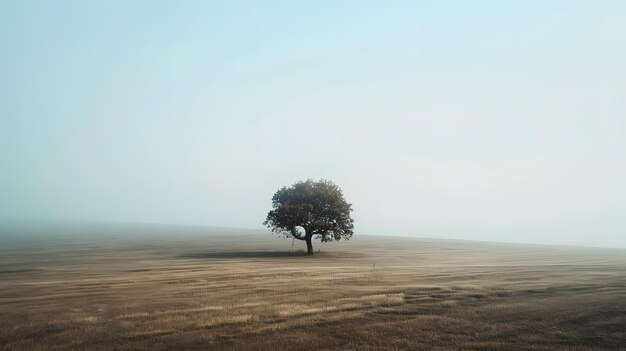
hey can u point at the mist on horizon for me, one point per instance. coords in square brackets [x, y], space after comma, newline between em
[460, 120]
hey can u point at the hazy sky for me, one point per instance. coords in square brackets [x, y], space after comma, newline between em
[488, 120]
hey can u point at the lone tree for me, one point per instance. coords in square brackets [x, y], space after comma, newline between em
[318, 207]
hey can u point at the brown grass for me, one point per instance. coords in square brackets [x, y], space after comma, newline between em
[245, 290]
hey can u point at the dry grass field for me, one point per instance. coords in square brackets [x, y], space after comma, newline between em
[143, 287]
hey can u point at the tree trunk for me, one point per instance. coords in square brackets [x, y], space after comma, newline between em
[309, 245]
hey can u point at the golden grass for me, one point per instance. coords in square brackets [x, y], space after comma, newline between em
[248, 291]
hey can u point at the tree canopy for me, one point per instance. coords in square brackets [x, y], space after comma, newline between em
[318, 207]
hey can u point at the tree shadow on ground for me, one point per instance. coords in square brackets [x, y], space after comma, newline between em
[243, 254]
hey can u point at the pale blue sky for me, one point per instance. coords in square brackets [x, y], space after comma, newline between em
[487, 120]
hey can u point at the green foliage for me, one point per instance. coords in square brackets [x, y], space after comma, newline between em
[318, 207]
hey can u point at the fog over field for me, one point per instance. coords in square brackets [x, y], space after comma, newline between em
[497, 121]
[313, 175]
[150, 287]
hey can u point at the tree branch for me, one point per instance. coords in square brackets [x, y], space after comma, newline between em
[294, 233]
